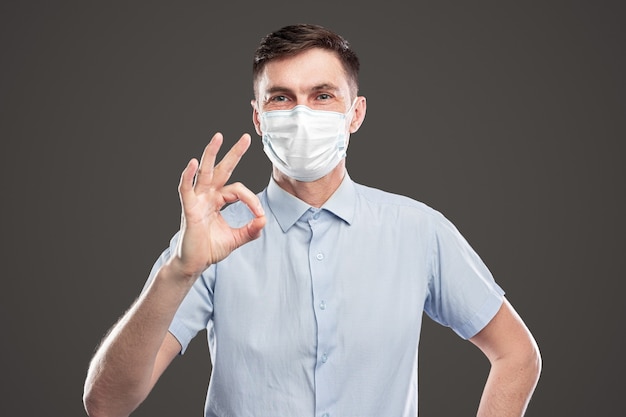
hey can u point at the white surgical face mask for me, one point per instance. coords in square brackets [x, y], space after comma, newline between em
[305, 144]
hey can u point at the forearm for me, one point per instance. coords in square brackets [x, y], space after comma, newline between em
[138, 349]
[510, 386]
[122, 371]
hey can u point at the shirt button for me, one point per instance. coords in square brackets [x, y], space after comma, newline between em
[325, 415]
[316, 216]
[319, 256]
[324, 358]
[323, 305]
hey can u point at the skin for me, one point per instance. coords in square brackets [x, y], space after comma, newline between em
[515, 364]
[138, 349]
[314, 78]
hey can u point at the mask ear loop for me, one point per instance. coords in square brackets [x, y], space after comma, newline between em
[352, 106]
[349, 119]
[346, 140]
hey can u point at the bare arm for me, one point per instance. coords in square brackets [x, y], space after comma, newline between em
[139, 347]
[515, 364]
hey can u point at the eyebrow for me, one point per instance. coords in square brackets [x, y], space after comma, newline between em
[319, 87]
[325, 86]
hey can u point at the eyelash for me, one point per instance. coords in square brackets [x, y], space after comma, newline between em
[281, 98]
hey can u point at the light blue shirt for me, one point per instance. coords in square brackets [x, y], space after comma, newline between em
[321, 315]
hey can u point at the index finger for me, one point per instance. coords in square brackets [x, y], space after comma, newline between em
[204, 175]
[224, 169]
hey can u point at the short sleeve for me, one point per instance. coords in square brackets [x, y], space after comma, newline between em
[462, 293]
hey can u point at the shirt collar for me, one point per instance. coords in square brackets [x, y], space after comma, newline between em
[287, 208]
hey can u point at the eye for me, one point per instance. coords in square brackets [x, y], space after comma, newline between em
[278, 98]
[324, 96]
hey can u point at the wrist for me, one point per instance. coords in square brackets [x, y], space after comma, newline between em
[174, 270]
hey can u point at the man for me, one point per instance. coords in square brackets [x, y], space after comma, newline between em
[312, 291]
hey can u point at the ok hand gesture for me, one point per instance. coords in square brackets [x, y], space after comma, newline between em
[205, 237]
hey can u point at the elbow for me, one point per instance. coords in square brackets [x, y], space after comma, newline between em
[98, 404]
[92, 396]
[103, 400]
[535, 361]
[524, 362]
[533, 356]
[528, 362]
[92, 404]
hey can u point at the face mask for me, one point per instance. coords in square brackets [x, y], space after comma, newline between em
[305, 144]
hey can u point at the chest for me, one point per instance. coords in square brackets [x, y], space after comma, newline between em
[286, 291]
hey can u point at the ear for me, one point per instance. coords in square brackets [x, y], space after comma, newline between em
[255, 118]
[359, 114]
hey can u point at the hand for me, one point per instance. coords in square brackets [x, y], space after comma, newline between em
[205, 237]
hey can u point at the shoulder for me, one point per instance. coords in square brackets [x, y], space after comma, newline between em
[377, 198]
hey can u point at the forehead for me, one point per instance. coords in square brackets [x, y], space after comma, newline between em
[303, 71]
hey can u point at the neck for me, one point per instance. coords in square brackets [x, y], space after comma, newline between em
[314, 193]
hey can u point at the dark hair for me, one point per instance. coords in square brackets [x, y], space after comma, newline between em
[293, 39]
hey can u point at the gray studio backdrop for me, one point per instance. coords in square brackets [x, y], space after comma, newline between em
[507, 118]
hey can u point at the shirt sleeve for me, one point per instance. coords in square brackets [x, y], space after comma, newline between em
[462, 293]
[197, 307]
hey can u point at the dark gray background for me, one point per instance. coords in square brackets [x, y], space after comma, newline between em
[507, 118]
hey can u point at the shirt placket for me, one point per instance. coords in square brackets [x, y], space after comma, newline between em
[321, 279]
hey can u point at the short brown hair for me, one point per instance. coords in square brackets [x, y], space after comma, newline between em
[293, 39]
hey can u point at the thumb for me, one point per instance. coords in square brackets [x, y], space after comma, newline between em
[250, 231]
